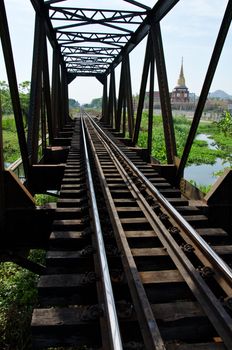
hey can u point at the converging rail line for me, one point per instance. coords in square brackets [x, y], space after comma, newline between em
[125, 267]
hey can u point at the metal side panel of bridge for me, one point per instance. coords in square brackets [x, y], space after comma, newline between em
[170, 282]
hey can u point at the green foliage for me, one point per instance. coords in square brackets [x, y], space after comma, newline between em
[224, 125]
[181, 127]
[200, 153]
[18, 297]
[73, 103]
[203, 188]
[8, 123]
[96, 103]
[6, 105]
[220, 172]
[11, 150]
[24, 96]
[41, 199]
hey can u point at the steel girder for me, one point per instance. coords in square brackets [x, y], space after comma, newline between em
[84, 34]
[93, 42]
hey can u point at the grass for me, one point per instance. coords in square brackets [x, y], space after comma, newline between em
[203, 188]
[11, 150]
[18, 297]
[42, 199]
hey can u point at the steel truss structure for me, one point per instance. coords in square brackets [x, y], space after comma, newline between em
[93, 42]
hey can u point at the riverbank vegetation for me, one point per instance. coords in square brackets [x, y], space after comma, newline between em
[200, 153]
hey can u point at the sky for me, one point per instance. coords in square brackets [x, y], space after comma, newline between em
[189, 31]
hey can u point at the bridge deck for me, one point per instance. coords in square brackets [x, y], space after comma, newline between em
[147, 278]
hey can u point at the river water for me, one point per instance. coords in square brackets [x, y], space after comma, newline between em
[204, 174]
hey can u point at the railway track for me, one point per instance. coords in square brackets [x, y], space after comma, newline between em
[130, 265]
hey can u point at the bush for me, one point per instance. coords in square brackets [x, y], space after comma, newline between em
[18, 297]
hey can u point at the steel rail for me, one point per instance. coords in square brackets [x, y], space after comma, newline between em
[208, 301]
[214, 258]
[149, 328]
[110, 309]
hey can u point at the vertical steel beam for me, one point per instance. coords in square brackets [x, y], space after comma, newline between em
[223, 31]
[47, 94]
[105, 102]
[36, 91]
[120, 99]
[128, 90]
[124, 118]
[151, 103]
[55, 92]
[43, 122]
[164, 93]
[142, 92]
[63, 96]
[64, 87]
[11, 74]
[112, 100]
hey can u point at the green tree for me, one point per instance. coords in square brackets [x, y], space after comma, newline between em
[5, 98]
[24, 95]
[225, 123]
[96, 103]
[73, 103]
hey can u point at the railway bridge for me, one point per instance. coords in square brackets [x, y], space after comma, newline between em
[136, 257]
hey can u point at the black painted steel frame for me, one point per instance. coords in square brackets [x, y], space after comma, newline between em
[80, 52]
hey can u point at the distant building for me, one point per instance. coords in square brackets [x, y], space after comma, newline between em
[180, 93]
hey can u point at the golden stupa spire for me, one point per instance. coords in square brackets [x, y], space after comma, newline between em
[181, 80]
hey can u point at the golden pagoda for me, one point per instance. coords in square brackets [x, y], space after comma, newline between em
[180, 93]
